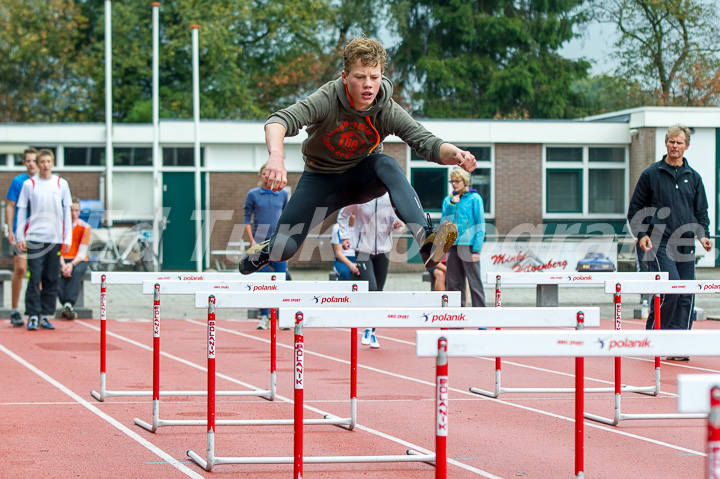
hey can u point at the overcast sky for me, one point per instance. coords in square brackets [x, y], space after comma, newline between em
[596, 45]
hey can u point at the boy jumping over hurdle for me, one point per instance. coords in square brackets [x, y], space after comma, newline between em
[347, 119]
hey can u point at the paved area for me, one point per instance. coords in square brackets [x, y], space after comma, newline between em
[128, 302]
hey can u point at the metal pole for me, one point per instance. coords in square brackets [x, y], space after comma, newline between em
[199, 250]
[108, 115]
[156, 154]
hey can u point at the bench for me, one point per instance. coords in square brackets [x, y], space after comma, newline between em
[83, 312]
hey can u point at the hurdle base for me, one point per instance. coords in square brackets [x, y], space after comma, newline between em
[263, 393]
[199, 460]
[427, 458]
[648, 390]
[345, 423]
[329, 420]
[413, 452]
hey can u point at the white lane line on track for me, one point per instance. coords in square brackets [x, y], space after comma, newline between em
[110, 420]
[288, 400]
[419, 381]
[468, 393]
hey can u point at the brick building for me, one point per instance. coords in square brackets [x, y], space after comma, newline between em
[537, 177]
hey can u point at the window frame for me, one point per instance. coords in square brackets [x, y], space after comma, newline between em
[584, 167]
[421, 163]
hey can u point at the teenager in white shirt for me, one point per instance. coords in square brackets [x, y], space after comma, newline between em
[49, 228]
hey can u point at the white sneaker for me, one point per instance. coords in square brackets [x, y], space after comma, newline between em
[264, 322]
[365, 340]
[374, 342]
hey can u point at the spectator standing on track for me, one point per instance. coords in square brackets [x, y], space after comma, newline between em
[49, 226]
[263, 208]
[465, 208]
[20, 259]
[344, 265]
[74, 263]
[437, 274]
[667, 211]
[347, 119]
[375, 222]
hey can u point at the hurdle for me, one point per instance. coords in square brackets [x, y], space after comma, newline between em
[655, 288]
[700, 393]
[252, 295]
[577, 344]
[136, 278]
[224, 300]
[369, 317]
[566, 279]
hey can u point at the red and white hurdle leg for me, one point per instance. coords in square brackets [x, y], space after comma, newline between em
[156, 366]
[441, 407]
[100, 396]
[299, 367]
[210, 462]
[713, 457]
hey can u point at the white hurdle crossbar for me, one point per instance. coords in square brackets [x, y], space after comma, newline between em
[103, 278]
[381, 317]
[565, 279]
[577, 344]
[257, 290]
[617, 288]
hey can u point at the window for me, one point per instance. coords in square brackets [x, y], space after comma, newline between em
[431, 186]
[480, 180]
[19, 156]
[564, 191]
[84, 156]
[173, 156]
[585, 181]
[132, 156]
[431, 181]
[606, 191]
[564, 154]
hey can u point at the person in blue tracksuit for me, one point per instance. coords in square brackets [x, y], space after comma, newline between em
[263, 208]
[465, 208]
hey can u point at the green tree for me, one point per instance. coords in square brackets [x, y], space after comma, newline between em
[488, 59]
[670, 47]
[255, 56]
[44, 71]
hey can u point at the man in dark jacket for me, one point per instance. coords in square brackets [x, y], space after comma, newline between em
[668, 210]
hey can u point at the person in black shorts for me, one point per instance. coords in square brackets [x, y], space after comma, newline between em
[347, 119]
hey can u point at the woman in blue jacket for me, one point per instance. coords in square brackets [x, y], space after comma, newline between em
[465, 208]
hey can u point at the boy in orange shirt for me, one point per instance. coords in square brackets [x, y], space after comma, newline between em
[74, 263]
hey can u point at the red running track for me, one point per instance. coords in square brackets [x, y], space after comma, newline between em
[52, 427]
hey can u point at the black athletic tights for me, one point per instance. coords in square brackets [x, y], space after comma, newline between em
[318, 195]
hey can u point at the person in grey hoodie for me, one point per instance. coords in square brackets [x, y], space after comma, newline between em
[347, 119]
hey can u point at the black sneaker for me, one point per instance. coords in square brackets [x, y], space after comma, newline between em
[436, 243]
[677, 358]
[255, 258]
[32, 323]
[16, 319]
[68, 313]
[45, 323]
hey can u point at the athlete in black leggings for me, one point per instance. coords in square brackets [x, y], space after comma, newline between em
[346, 121]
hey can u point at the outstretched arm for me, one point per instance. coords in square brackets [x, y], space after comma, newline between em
[275, 173]
[452, 155]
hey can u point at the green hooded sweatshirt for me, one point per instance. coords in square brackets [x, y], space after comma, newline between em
[340, 137]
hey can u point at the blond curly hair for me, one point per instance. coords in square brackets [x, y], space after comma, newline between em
[370, 52]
